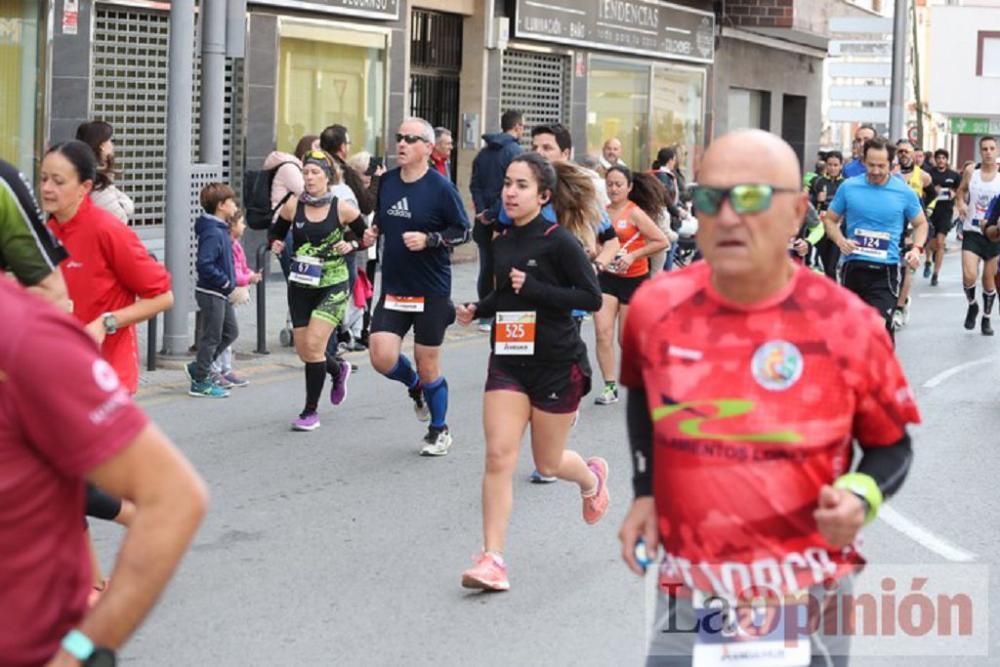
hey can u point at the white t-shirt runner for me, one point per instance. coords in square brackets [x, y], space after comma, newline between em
[981, 193]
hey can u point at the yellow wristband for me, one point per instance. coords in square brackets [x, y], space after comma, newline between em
[864, 486]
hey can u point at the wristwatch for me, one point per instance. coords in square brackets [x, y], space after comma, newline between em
[110, 323]
[80, 647]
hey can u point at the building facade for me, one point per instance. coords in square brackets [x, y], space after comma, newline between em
[649, 73]
[964, 73]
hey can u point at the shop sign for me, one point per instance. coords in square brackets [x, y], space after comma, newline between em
[644, 27]
[374, 9]
[961, 125]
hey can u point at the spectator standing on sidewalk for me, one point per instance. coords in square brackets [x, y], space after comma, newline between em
[486, 184]
[100, 137]
[222, 368]
[51, 442]
[441, 155]
[216, 281]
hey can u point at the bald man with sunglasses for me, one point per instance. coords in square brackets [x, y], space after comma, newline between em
[749, 380]
[420, 217]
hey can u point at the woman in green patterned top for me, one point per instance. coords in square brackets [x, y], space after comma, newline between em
[324, 230]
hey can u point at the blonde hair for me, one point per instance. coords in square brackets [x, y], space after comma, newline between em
[359, 161]
[575, 202]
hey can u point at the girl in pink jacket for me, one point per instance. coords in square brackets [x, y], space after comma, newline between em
[222, 369]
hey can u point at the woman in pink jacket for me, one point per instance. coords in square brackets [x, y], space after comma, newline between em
[222, 368]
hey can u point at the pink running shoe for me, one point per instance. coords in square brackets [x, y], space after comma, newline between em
[596, 505]
[489, 574]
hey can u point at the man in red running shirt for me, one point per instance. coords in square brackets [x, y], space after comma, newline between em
[749, 381]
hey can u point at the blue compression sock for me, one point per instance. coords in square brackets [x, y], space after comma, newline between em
[436, 395]
[403, 372]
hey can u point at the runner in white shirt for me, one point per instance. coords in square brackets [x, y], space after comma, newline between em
[978, 188]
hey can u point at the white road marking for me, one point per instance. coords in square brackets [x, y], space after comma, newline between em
[924, 537]
[940, 295]
[955, 370]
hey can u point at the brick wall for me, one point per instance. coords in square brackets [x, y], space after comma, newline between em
[760, 13]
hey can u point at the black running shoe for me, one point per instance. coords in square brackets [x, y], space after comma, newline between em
[986, 327]
[419, 405]
[934, 280]
[970, 316]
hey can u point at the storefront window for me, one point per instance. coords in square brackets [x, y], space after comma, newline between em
[678, 114]
[19, 71]
[618, 106]
[329, 76]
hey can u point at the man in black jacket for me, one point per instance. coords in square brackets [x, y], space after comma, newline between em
[488, 171]
[336, 141]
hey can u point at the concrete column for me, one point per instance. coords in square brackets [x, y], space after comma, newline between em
[176, 338]
[213, 80]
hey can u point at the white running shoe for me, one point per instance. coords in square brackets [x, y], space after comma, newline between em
[436, 443]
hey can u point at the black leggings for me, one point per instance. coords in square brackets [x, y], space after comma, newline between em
[102, 506]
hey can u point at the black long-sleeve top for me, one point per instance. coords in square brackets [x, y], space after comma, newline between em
[559, 279]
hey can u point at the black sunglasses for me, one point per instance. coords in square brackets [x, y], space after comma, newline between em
[410, 138]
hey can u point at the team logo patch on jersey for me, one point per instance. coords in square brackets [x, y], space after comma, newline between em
[777, 365]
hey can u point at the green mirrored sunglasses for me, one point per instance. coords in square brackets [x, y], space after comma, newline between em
[744, 198]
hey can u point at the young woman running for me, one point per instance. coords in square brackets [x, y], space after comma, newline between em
[324, 230]
[635, 201]
[538, 370]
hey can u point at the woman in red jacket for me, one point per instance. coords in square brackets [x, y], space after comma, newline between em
[112, 280]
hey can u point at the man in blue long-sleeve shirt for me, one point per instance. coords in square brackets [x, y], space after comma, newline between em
[421, 216]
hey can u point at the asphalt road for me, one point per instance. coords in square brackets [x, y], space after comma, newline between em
[344, 547]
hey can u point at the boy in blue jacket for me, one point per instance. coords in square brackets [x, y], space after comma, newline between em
[216, 281]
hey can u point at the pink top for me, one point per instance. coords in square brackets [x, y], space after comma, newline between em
[243, 271]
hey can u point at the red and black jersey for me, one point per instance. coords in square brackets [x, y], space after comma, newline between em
[754, 409]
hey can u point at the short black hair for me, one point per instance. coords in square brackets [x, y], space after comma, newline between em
[563, 138]
[333, 138]
[879, 144]
[942, 152]
[510, 119]
[836, 154]
[987, 137]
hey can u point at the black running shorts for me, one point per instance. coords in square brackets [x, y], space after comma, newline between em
[325, 303]
[429, 326]
[876, 284]
[980, 246]
[618, 287]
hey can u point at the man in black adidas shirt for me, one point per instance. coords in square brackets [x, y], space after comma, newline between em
[940, 200]
[421, 217]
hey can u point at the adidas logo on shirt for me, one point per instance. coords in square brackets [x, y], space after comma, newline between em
[400, 209]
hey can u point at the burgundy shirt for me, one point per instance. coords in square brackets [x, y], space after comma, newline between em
[63, 412]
